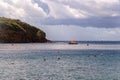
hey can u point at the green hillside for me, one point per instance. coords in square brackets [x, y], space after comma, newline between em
[15, 31]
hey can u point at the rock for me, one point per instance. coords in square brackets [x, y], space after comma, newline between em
[15, 31]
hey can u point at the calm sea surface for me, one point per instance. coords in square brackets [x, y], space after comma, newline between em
[60, 61]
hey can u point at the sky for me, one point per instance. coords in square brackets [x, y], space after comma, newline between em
[68, 19]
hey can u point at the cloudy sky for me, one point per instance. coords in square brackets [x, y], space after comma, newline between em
[68, 19]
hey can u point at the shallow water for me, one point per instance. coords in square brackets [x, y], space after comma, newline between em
[24, 62]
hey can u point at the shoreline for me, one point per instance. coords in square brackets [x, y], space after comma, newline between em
[57, 46]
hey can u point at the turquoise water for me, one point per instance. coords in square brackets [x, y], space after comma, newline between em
[20, 62]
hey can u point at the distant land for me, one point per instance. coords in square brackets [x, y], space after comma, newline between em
[16, 31]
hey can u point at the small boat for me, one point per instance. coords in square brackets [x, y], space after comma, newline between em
[73, 42]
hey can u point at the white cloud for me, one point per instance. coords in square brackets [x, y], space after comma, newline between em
[30, 11]
[107, 1]
[82, 9]
[25, 10]
[96, 7]
[8, 10]
[59, 10]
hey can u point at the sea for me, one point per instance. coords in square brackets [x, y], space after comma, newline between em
[87, 60]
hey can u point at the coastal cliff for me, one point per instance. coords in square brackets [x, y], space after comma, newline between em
[15, 31]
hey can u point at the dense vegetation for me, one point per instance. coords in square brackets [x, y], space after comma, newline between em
[15, 31]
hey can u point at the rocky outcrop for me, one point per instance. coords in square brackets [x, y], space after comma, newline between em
[15, 31]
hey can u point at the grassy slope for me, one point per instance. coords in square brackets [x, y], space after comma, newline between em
[14, 30]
